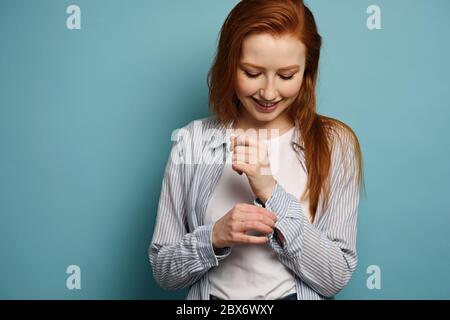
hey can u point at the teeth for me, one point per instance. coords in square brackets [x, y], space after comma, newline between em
[266, 104]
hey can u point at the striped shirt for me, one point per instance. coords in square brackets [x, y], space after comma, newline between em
[321, 255]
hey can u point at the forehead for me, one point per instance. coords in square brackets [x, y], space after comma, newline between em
[272, 52]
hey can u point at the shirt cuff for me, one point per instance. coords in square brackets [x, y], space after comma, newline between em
[258, 203]
[205, 248]
[278, 202]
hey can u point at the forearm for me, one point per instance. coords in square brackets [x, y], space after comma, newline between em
[316, 259]
[179, 265]
[323, 260]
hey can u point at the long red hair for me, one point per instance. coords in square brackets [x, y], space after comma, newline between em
[279, 18]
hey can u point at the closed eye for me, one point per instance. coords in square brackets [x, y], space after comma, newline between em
[286, 77]
[255, 75]
[252, 75]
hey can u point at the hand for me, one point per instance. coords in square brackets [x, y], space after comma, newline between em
[252, 158]
[231, 229]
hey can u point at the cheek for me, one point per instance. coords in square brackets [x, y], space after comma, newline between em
[245, 86]
[290, 89]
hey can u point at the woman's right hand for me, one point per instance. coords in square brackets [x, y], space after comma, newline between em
[231, 229]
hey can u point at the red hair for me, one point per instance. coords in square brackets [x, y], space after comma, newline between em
[279, 18]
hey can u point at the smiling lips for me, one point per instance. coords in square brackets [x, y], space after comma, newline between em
[262, 107]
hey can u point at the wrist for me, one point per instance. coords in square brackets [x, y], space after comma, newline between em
[267, 193]
[214, 240]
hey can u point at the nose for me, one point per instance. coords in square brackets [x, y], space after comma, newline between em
[268, 92]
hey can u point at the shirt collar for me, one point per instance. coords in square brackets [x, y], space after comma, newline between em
[224, 130]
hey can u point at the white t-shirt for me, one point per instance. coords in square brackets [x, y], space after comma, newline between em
[253, 271]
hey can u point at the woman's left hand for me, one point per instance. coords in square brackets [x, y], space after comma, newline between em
[251, 158]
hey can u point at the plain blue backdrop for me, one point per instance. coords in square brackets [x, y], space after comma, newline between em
[86, 118]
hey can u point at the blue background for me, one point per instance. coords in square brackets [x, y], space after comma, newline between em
[86, 117]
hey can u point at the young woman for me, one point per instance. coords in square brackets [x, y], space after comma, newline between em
[237, 226]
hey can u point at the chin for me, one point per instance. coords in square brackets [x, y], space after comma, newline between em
[264, 117]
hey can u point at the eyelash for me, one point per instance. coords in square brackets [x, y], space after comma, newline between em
[253, 76]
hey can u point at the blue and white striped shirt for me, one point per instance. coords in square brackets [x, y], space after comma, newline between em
[322, 254]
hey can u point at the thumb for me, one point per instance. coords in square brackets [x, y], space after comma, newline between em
[238, 168]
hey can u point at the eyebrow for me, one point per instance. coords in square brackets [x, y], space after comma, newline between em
[295, 66]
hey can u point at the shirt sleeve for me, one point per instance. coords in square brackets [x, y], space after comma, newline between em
[179, 258]
[322, 254]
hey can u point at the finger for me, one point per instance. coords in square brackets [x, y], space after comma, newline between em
[255, 226]
[245, 149]
[252, 154]
[237, 167]
[243, 239]
[245, 152]
[266, 219]
[232, 142]
[268, 214]
[249, 168]
[245, 155]
[243, 167]
[246, 140]
[255, 213]
[246, 209]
